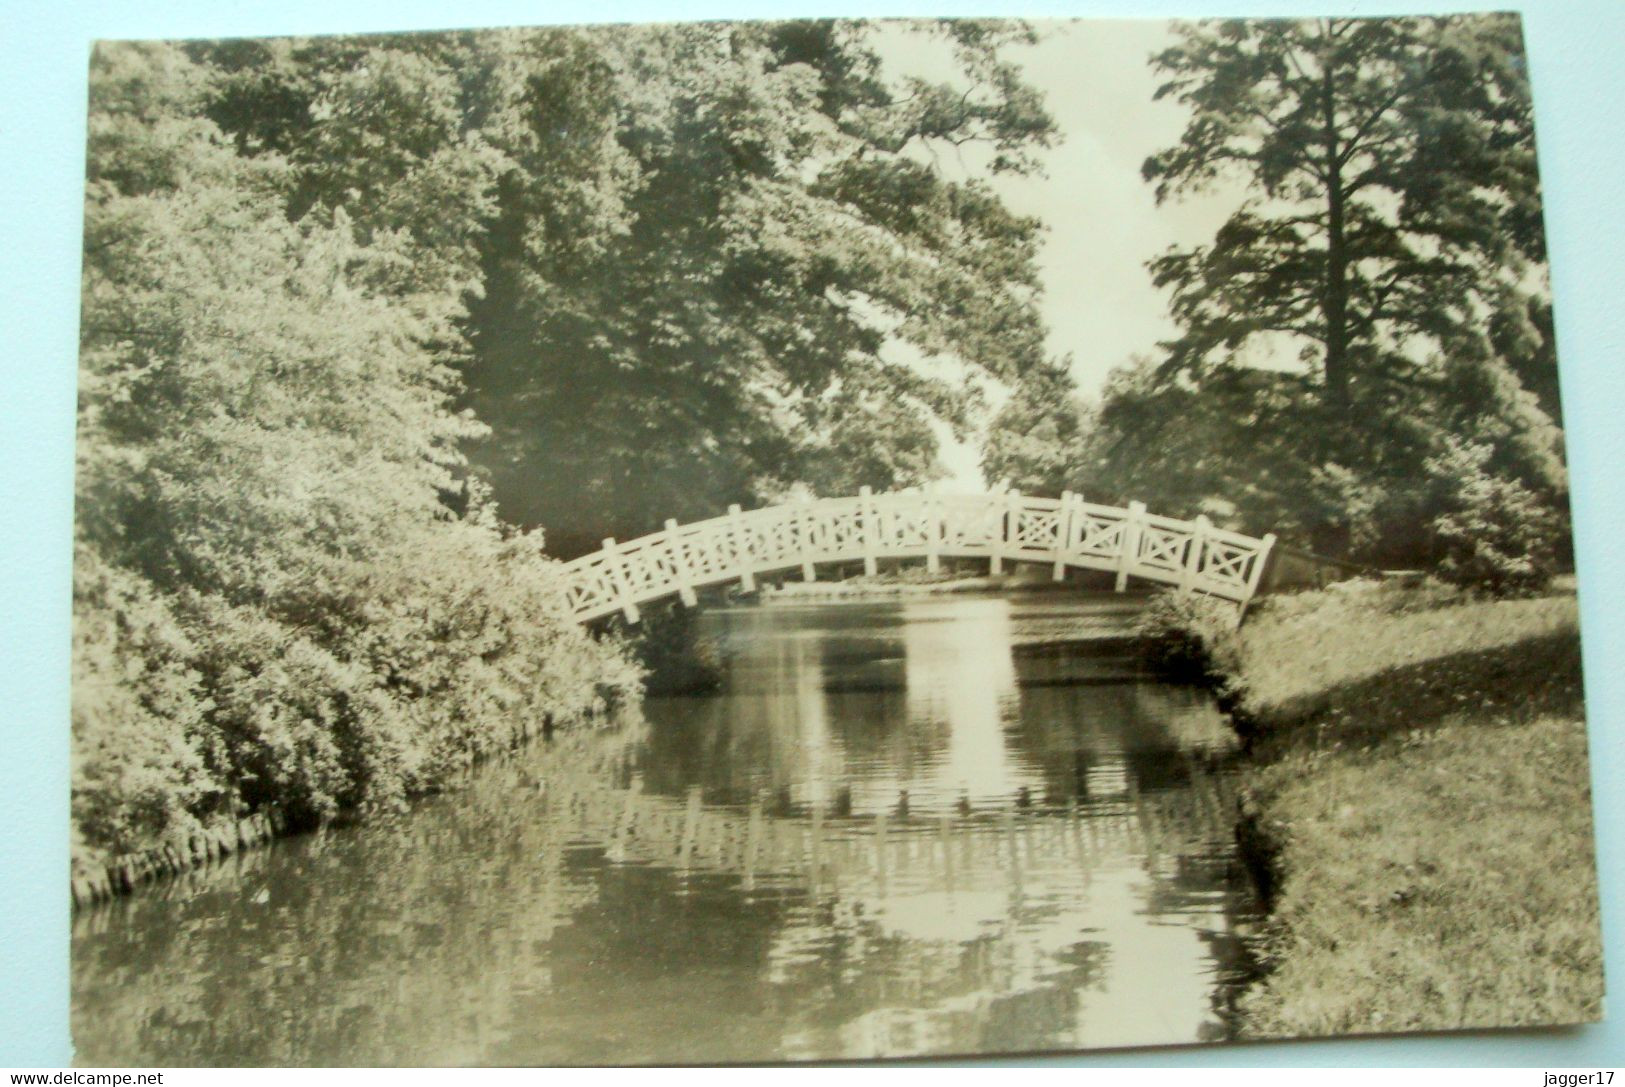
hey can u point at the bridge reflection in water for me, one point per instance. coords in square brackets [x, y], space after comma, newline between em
[900, 829]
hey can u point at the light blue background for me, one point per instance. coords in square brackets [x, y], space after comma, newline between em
[1575, 60]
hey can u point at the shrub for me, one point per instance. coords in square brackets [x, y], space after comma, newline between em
[675, 657]
[139, 767]
[394, 676]
[1493, 533]
[1189, 636]
[276, 603]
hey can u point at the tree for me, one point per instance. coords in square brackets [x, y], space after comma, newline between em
[699, 263]
[1231, 449]
[1389, 249]
[274, 603]
[773, 276]
[1038, 441]
[1491, 533]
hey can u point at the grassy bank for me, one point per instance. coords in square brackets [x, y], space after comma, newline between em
[1419, 788]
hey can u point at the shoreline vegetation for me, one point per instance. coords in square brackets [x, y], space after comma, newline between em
[96, 875]
[1416, 805]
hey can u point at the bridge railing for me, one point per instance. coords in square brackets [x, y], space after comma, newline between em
[1066, 532]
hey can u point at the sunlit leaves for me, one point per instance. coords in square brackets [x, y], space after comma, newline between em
[1387, 254]
[779, 219]
[274, 604]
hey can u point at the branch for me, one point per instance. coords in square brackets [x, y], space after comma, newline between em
[1352, 145]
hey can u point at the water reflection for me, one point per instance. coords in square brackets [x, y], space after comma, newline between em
[899, 829]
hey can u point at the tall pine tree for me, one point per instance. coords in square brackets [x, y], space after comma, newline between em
[1388, 255]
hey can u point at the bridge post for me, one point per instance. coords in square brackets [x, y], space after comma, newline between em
[931, 511]
[1193, 553]
[871, 530]
[995, 563]
[1260, 560]
[1129, 543]
[741, 548]
[1063, 532]
[679, 564]
[691, 828]
[617, 573]
[1011, 538]
[805, 520]
[753, 840]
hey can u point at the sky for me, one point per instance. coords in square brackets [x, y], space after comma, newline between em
[1103, 220]
[1104, 223]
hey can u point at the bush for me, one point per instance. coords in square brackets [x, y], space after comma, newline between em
[675, 658]
[277, 604]
[1189, 636]
[189, 707]
[1494, 533]
[139, 737]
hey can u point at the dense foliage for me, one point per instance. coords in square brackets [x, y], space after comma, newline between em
[1378, 293]
[1189, 636]
[364, 317]
[274, 604]
[1493, 532]
[711, 261]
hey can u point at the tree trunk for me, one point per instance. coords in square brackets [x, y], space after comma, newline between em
[1335, 293]
[1333, 538]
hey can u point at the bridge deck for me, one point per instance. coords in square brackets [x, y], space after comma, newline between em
[1193, 556]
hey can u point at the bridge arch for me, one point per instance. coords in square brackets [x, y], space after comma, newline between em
[1066, 532]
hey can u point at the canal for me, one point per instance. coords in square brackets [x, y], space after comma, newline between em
[941, 825]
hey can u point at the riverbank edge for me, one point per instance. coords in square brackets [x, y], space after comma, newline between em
[91, 883]
[104, 880]
[1299, 737]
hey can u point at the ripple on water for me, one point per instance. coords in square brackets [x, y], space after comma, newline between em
[899, 829]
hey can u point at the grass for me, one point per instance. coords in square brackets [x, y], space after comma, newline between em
[1421, 786]
[1303, 649]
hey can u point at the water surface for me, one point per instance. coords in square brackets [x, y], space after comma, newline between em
[903, 828]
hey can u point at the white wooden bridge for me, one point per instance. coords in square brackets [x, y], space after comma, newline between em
[1066, 532]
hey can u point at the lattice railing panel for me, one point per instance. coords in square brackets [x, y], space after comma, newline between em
[1099, 534]
[777, 539]
[1162, 549]
[588, 587]
[1036, 530]
[907, 527]
[1227, 562]
[840, 532]
[702, 550]
[972, 522]
[1192, 555]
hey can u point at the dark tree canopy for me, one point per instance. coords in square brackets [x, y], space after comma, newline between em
[1377, 297]
[1038, 440]
[778, 231]
[1395, 200]
[1378, 289]
[702, 263]
[337, 289]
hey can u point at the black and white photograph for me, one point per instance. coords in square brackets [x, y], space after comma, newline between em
[828, 539]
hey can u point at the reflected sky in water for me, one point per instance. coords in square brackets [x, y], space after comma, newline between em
[905, 828]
